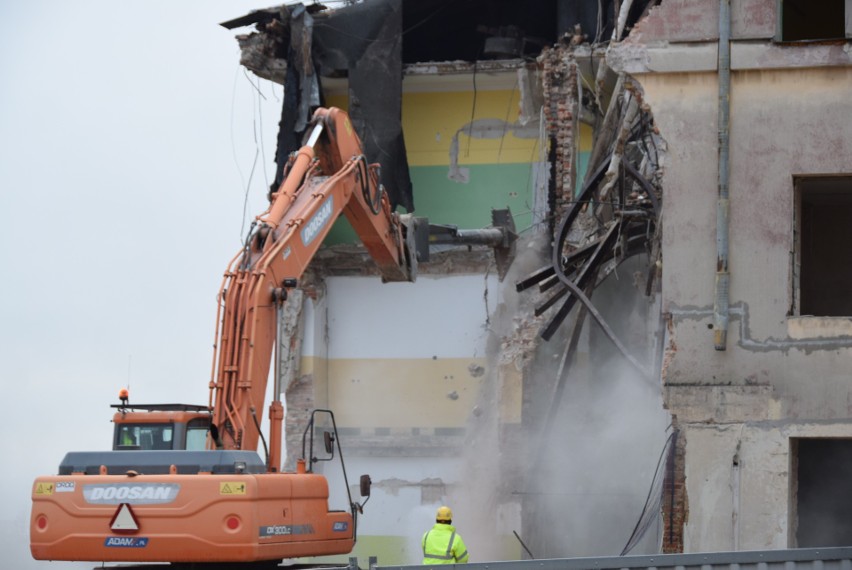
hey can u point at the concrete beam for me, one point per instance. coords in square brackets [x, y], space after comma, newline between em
[663, 57]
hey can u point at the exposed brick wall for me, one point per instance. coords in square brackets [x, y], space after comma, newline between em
[675, 506]
[561, 112]
[300, 403]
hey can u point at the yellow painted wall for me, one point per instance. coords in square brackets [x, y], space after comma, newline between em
[396, 392]
[511, 394]
[430, 120]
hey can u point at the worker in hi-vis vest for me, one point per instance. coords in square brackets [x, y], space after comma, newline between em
[442, 544]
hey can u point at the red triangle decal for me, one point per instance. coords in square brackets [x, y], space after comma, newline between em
[124, 520]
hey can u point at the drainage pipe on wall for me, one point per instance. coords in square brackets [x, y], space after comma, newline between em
[723, 277]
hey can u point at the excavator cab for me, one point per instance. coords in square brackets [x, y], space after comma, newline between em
[145, 505]
[160, 427]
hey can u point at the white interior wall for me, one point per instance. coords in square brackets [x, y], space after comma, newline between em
[435, 316]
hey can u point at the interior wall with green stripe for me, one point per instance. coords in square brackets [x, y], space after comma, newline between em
[500, 162]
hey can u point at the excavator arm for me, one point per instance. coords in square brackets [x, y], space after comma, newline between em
[328, 176]
[147, 504]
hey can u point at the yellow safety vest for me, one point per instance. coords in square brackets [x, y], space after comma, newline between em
[443, 545]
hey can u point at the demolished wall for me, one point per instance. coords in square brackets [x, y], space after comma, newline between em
[783, 376]
[579, 500]
[472, 143]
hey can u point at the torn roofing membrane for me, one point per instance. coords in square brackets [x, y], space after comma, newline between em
[361, 42]
[369, 37]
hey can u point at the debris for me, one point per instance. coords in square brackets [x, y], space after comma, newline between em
[614, 216]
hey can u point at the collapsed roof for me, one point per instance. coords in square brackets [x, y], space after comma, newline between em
[370, 43]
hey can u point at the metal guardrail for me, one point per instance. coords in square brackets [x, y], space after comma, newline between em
[792, 559]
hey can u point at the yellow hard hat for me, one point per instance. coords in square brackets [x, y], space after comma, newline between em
[444, 514]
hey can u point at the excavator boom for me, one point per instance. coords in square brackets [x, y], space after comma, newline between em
[326, 177]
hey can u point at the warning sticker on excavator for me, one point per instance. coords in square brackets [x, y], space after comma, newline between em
[232, 488]
[124, 520]
[44, 489]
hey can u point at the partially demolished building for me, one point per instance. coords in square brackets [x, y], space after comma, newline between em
[755, 288]
[715, 334]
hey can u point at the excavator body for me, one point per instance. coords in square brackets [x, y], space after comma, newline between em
[194, 506]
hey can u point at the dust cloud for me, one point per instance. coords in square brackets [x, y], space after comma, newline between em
[578, 490]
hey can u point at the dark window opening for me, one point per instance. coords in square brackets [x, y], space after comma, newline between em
[823, 495]
[803, 20]
[449, 30]
[446, 30]
[824, 246]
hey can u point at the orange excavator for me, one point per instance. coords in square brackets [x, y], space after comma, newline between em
[185, 484]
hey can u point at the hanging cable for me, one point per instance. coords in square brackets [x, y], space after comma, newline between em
[656, 489]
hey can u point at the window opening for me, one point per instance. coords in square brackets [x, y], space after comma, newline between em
[822, 495]
[806, 20]
[823, 229]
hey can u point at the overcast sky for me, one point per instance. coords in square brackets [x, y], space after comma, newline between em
[127, 134]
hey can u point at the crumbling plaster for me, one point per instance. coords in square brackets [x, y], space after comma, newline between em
[783, 123]
[678, 21]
